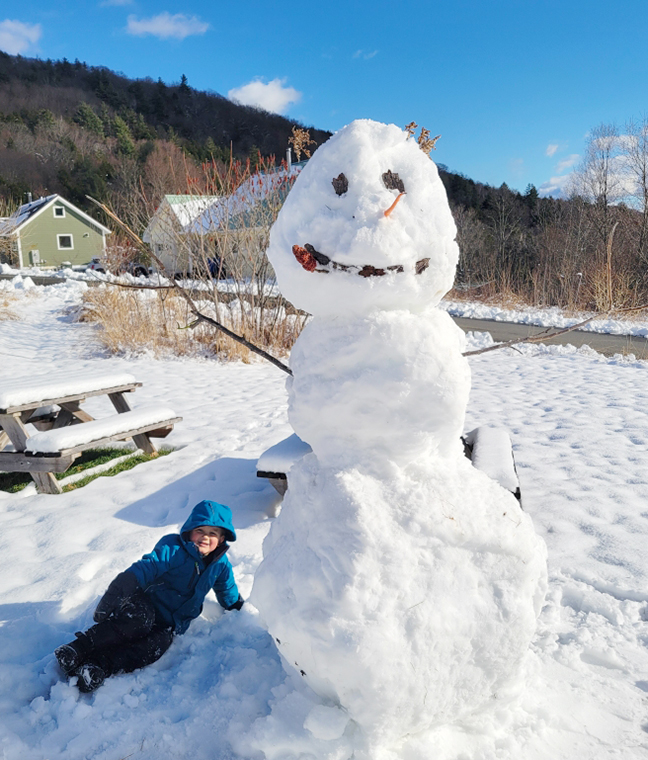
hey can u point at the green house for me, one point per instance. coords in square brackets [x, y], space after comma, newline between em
[50, 231]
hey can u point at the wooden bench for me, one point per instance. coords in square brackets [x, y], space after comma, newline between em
[488, 448]
[276, 461]
[53, 406]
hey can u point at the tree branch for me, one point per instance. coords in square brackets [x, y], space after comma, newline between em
[200, 317]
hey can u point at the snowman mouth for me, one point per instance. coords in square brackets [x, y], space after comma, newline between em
[314, 261]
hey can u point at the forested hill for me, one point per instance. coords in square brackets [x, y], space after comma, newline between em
[151, 109]
[38, 99]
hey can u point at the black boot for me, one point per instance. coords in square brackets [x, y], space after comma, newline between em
[89, 677]
[71, 656]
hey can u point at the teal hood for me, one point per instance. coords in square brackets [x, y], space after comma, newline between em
[211, 513]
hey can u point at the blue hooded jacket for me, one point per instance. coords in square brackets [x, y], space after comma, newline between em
[176, 577]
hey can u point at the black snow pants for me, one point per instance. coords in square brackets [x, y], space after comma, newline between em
[130, 638]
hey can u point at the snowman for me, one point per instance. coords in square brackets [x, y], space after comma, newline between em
[399, 581]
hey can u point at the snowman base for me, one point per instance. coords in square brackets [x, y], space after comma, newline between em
[409, 602]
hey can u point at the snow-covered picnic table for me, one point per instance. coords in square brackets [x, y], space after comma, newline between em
[52, 404]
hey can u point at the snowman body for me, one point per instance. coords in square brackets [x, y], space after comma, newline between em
[399, 581]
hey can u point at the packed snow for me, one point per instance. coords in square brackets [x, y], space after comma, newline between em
[51, 441]
[579, 426]
[282, 456]
[491, 453]
[32, 390]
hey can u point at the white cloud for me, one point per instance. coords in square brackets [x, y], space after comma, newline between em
[16, 37]
[273, 96]
[551, 150]
[567, 163]
[165, 26]
[365, 55]
[557, 187]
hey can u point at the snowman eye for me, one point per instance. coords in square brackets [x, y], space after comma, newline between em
[340, 184]
[393, 181]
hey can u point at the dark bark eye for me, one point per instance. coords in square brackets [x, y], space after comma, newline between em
[393, 181]
[340, 184]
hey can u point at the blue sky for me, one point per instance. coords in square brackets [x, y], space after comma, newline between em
[513, 86]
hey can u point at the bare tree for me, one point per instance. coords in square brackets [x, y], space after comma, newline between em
[599, 179]
[636, 143]
[476, 267]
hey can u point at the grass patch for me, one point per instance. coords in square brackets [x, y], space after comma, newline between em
[128, 464]
[12, 482]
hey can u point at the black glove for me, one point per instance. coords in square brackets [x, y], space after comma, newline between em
[237, 604]
[124, 586]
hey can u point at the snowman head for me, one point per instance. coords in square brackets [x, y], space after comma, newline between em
[366, 226]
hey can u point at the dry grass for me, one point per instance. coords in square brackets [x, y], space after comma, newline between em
[597, 290]
[6, 313]
[133, 321]
[505, 298]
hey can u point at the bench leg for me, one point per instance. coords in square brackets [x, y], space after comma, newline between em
[119, 402]
[46, 482]
[15, 429]
[76, 414]
[142, 441]
[4, 440]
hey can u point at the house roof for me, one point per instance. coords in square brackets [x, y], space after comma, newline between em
[177, 209]
[28, 211]
[188, 207]
[236, 210]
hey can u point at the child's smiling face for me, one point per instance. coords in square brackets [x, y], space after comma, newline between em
[207, 538]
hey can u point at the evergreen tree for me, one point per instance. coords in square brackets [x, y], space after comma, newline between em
[85, 178]
[531, 196]
[85, 117]
[106, 120]
[255, 156]
[125, 144]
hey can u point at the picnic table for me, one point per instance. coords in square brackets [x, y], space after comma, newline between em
[53, 404]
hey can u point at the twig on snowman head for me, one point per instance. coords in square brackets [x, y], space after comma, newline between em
[426, 143]
[300, 141]
[410, 129]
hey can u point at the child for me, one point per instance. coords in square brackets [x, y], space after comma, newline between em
[155, 599]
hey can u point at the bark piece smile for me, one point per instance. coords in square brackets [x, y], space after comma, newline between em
[314, 261]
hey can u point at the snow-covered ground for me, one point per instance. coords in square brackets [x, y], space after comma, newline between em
[545, 317]
[579, 423]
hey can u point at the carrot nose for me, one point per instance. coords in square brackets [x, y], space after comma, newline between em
[393, 206]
